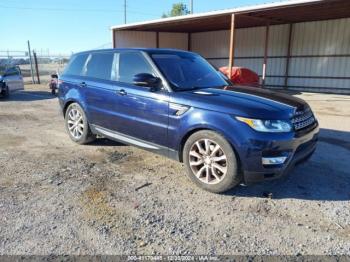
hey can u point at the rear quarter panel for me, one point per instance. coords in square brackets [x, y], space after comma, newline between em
[69, 92]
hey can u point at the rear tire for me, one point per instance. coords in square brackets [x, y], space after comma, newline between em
[77, 125]
[211, 162]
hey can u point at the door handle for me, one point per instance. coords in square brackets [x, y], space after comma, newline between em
[82, 84]
[122, 92]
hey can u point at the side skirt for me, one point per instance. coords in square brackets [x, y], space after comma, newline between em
[129, 140]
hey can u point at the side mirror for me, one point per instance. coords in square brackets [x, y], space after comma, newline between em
[146, 80]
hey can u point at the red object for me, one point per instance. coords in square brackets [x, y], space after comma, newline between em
[242, 76]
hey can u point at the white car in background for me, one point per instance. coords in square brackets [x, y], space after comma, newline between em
[10, 80]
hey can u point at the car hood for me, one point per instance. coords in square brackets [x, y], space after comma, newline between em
[243, 101]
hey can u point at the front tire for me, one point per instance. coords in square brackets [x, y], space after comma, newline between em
[77, 125]
[211, 162]
[5, 92]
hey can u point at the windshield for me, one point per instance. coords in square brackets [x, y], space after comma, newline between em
[186, 71]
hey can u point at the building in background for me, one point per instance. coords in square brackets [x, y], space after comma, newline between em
[299, 45]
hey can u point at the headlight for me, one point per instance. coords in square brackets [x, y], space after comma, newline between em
[267, 125]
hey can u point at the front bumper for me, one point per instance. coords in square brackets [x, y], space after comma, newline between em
[297, 150]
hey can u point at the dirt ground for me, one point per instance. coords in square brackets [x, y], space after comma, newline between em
[57, 197]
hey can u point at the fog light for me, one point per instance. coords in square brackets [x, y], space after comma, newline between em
[274, 160]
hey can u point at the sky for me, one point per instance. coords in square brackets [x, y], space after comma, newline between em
[66, 26]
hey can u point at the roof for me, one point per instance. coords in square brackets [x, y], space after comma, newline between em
[147, 50]
[292, 11]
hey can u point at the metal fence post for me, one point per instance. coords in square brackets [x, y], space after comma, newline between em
[232, 46]
[36, 67]
[31, 63]
[264, 71]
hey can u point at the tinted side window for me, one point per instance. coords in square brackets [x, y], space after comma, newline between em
[131, 64]
[75, 67]
[100, 66]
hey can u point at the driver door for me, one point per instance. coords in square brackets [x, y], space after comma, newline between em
[142, 111]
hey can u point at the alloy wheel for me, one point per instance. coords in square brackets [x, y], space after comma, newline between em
[75, 123]
[208, 161]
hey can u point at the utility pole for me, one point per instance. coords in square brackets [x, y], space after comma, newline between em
[31, 63]
[191, 6]
[124, 11]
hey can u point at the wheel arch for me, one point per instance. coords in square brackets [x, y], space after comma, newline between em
[68, 103]
[186, 136]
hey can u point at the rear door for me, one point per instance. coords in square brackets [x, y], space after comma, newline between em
[102, 100]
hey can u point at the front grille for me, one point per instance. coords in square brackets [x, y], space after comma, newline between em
[303, 119]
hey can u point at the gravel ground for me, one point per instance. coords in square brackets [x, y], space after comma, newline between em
[57, 197]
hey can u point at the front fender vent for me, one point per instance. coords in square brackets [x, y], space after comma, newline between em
[179, 109]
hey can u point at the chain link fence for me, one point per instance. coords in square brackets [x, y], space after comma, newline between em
[47, 64]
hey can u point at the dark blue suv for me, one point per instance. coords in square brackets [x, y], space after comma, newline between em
[175, 103]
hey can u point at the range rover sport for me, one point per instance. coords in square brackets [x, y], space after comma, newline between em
[176, 104]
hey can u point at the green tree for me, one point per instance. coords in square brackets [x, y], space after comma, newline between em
[177, 10]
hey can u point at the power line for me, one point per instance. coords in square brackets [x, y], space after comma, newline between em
[73, 10]
[59, 9]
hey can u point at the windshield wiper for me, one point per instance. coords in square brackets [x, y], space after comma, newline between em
[221, 86]
[193, 88]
